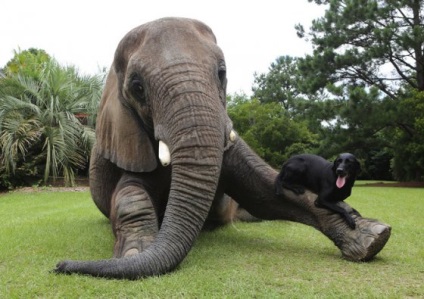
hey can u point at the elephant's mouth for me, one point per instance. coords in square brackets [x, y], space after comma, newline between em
[165, 155]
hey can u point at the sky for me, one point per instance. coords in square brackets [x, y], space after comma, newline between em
[85, 33]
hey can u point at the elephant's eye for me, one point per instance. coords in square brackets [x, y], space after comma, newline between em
[137, 88]
[222, 74]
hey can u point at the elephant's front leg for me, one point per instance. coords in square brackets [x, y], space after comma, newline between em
[134, 220]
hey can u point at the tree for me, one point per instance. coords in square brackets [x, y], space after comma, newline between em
[27, 62]
[373, 52]
[268, 129]
[279, 84]
[358, 40]
[409, 147]
[41, 129]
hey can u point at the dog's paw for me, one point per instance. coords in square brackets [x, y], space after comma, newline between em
[350, 221]
[298, 189]
[318, 204]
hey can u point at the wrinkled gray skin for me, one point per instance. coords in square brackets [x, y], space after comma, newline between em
[167, 83]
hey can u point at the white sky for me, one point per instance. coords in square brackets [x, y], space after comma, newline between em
[85, 33]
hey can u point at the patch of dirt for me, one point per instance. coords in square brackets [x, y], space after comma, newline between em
[395, 184]
[82, 184]
[52, 189]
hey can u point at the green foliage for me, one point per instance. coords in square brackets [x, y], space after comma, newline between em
[357, 40]
[409, 144]
[350, 128]
[368, 57]
[377, 164]
[335, 114]
[272, 259]
[28, 63]
[46, 121]
[269, 130]
[279, 84]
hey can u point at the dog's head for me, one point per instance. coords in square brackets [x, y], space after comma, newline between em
[346, 166]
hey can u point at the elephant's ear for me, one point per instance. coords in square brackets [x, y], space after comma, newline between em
[120, 137]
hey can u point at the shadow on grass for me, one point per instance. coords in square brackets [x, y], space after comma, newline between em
[269, 237]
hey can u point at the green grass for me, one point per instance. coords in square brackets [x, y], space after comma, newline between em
[257, 260]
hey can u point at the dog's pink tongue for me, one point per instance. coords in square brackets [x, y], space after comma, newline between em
[340, 181]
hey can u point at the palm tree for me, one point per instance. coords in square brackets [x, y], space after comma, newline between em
[41, 123]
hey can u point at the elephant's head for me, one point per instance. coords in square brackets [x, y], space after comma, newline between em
[166, 89]
[164, 103]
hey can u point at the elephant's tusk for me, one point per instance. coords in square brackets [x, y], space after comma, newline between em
[164, 155]
[233, 136]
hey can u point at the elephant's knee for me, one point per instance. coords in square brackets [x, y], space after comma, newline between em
[133, 219]
[133, 207]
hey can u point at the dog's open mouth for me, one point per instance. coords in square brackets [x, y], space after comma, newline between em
[341, 181]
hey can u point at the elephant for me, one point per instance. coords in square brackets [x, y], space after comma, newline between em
[167, 161]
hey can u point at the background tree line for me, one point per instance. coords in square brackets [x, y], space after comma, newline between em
[360, 91]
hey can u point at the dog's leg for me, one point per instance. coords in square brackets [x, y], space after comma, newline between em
[297, 189]
[355, 212]
[334, 207]
[285, 181]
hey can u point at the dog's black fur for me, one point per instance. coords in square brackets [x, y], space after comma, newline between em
[315, 173]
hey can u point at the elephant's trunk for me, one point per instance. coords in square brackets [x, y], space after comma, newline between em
[196, 159]
[196, 144]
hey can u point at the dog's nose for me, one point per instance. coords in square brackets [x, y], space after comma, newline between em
[340, 171]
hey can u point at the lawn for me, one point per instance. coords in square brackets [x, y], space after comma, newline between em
[257, 260]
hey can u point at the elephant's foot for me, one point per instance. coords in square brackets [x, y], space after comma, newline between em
[359, 244]
[222, 212]
[226, 210]
[363, 242]
[242, 215]
[130, 246]
[133, 220]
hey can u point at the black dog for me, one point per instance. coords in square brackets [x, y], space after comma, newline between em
[331, 181]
